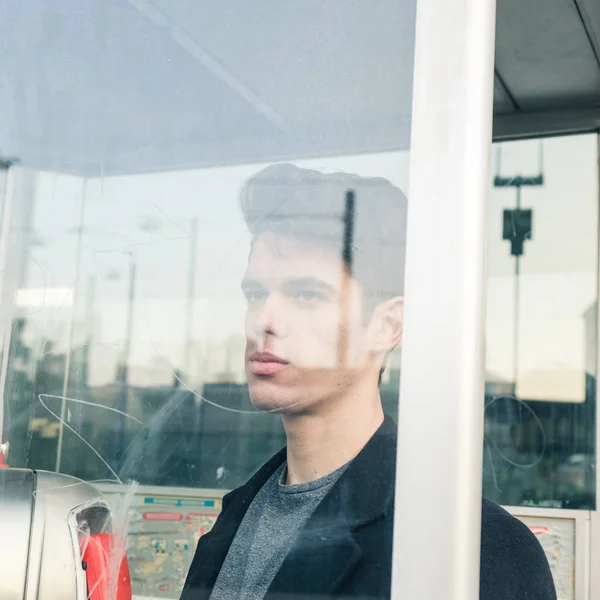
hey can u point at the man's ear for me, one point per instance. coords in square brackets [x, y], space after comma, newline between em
[385, 329]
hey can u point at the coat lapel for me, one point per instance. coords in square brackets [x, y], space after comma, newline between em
[326, 552]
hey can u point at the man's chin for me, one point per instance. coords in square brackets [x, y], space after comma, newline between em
[268, 398]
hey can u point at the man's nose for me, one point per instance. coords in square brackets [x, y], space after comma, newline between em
[272, 319]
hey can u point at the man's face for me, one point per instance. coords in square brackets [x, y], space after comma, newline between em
[306, 336]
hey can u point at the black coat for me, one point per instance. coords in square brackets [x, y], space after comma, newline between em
[345, 549]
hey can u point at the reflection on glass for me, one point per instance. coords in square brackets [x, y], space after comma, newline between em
[138, 125]
[541, 325]
[130, 323]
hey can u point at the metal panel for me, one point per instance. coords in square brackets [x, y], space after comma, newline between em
[54, 569]
[16, 505]
[440, 437]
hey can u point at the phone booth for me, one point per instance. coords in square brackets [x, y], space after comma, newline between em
[130, 132]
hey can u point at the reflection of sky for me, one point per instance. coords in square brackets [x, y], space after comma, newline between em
[150, 217]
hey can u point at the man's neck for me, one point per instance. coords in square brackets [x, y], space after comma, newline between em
[318, 444]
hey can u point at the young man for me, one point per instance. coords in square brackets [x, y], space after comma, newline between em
[324, 288]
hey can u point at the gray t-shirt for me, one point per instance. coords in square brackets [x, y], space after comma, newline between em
[267, 534]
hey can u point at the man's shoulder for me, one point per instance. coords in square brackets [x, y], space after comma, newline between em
[513, 563]
[502, 530]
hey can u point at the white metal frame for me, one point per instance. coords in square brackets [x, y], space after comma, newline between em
[439, 469]
[592, 587]
[593, 555]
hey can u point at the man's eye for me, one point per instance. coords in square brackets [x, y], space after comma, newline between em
[254, 297]
[308, 296]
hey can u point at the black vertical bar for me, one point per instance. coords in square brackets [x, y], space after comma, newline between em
[349, 214]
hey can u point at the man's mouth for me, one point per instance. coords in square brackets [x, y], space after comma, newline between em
[265, 363]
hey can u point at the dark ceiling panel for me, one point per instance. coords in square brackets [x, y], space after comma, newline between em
[544, 54]
[519, 125]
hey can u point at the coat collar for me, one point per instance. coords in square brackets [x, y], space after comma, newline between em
[325, 551]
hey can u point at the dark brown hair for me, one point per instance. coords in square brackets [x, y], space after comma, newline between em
[312, 206]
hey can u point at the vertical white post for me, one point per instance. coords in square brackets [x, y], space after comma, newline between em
[438, 485]
[593, 583]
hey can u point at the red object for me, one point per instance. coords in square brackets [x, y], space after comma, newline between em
[162, 516]
[538, 530]
[96, 557]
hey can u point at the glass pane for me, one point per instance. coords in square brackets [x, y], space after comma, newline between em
[199, 184]
[541, 324]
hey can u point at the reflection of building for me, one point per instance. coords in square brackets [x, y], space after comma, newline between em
[224, 362]
[531, 443]
[498, 386]
[159, 373]
[19, 208]
[555, 382]
[590, 323]
[560, 382]
[394, 363]
[389, 391]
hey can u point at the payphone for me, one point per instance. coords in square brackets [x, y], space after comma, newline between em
[60, 540]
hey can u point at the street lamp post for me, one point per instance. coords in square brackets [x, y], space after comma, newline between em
[189, 322]
[67, 373]
[517, 227]
[123, 371]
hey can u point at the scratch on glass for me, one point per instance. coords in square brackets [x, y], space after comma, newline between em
[77, 434]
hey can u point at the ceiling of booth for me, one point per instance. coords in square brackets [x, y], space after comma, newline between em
[122, 86]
